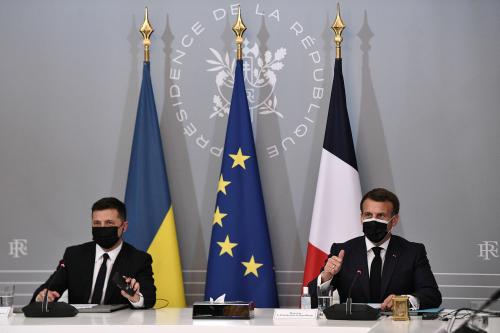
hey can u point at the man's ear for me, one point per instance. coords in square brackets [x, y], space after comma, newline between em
[394, 221]
[125, 226]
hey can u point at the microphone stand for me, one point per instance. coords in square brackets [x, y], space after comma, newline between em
[56, 309]
[45, 301]
[350, 311]
[466, 329]
[348, 307]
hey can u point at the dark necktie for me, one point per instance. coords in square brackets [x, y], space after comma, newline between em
[375, 276]
[99, 282]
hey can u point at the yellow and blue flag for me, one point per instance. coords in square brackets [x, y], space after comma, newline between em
[149, 206]
[240, 261]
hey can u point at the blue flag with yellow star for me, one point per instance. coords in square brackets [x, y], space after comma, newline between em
[240, 261]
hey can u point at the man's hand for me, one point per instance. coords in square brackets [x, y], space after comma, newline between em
[332, 267]
[135, 286]
[51, 297]
[387, 304]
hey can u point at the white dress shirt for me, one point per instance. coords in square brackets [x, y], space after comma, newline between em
[415, 304]
[371, 255]
[99, 252]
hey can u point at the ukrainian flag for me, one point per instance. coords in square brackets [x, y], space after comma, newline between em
[149, 206]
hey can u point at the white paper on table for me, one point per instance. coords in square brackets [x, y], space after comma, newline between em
[84, 306]
[282, 313]
[5, 311]
[373, 305]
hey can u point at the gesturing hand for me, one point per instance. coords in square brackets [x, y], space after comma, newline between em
[332, 266]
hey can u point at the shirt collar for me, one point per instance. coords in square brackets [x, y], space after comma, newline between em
[112, 254]
[370, 245]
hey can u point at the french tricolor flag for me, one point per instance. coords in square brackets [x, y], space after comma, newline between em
[338, 193]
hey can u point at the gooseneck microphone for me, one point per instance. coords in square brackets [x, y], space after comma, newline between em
[466, 329]
[349, 311]
[492, 299]
[356, 277]
[45, 301]
[50, 309]
[348, 308]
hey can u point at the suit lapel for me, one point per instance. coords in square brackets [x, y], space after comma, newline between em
[365, 276]
[391, 259]
[362, 263]
[88, 264]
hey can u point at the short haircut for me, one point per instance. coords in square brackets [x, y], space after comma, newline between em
[382, 195]
[111, 203]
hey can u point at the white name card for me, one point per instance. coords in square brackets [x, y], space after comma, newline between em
[5, 311]
[280, 314]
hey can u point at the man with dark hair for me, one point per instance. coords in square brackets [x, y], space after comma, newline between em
[388, 265]
[87, 269]
[381, 195]
[111, 203]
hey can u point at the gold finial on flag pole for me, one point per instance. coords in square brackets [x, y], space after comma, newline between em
[338, 26]
[146, 31]
[239, 28]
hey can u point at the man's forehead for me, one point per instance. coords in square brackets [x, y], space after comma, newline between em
[105, 214]
[370, 204]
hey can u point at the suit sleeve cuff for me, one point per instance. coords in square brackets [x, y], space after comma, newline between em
[139, 303]
[414, 302]
[323, 287]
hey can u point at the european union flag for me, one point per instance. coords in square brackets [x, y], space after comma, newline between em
[240, 261]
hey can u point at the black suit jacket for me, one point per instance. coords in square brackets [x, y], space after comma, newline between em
[406, 271]
[76, 276]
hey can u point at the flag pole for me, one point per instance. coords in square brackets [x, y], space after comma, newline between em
[146, 31]
[239, 28]
[338, 26]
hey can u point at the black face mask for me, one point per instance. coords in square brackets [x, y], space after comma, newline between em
[374, 230]
[105, 237]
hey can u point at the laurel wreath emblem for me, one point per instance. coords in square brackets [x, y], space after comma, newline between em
[260, 74]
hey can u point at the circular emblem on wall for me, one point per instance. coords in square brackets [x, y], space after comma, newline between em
[283, 91]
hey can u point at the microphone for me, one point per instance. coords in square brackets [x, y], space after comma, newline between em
[356, 277]
[492, 299]
[45, 301]
[348, 307]
[466, 329]
[50, 309]
[349, 311]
